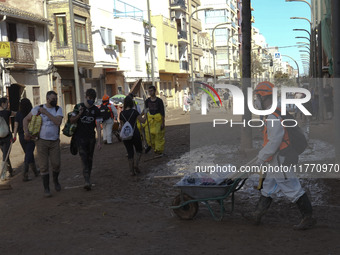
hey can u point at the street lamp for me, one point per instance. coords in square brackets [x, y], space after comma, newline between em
[213, 45]
[192, 61]
[310, 23]
[302, 43]
[302, 37]
[305, 30]
[298, 69]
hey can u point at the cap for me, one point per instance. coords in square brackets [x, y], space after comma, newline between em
[106, 98]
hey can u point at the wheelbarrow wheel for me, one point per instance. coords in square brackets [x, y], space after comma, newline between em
[186, 212]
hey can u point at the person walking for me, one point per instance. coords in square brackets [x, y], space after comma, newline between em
[28, 147]
[186, 103]
[48, 144]
[131, 115]
[155, 124]
[109, 113]
[6, 139]
[277, 151]
[88, 117]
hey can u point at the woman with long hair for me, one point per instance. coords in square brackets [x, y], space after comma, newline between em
[5, 142]
[25, 108]
[131, 115]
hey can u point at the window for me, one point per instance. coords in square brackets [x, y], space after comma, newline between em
[109, 36]
[137, 60]
[169, 89]
[31, 34]
[60, 21]
[36, 95]
[80, 31]
[196, 64]
[166, 50]
[176, 53]
[194, 38]
[12, 32]
[103, 35]
[171, 51]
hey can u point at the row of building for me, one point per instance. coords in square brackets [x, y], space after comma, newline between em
[110, 42]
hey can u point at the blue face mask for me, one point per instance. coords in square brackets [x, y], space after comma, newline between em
[90, 102]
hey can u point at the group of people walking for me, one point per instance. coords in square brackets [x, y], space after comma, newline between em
[90, 119]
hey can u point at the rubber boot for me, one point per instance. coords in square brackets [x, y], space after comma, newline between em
[56, 181]
[261, 209]
[136, 166]
[9, 168]
[88, 185]
[34, 169]
[131, 166]
[306, 210]
[46, 182]
[25, 173]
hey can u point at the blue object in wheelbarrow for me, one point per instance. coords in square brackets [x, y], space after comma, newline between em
[194, 190]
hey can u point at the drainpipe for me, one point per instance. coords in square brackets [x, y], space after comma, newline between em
[48, 48]
[3, 65]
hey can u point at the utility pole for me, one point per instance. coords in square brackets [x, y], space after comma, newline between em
[151, 47]
[336, 75]
[246, 135]
[75, 52]
[320, 80]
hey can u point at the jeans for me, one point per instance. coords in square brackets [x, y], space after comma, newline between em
[86, 149]
[28, 147]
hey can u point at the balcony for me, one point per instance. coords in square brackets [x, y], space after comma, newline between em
[196, 23]
[208, 70]
[220, 72]
[182, 35]
[197, 51]
[22, 55]
[184, 65]
[178, 4]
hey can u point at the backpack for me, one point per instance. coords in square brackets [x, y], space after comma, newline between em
[4, 129]
[127, 131]
[296, 136]
[105, 112]
[69, 128]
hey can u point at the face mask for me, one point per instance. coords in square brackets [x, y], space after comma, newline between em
[53, 103]
[258, 104]
[90, 102]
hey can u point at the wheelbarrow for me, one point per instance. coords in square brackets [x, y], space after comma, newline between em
[185, 205]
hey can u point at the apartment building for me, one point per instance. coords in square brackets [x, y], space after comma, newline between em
[62, 52]
[26, 72]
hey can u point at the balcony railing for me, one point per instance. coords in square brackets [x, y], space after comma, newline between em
[182, 35]
[22, 53]
[184, 65]
[180, 3]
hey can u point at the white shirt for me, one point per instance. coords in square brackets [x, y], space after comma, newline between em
[49, 130]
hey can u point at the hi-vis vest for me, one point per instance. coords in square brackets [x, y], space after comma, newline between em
[285, 141]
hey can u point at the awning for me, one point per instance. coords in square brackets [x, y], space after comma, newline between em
[118, 38]
[23, 15]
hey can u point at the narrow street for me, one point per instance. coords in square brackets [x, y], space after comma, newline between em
[127, 215]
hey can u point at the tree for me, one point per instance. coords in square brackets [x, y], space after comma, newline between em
[256, 66]
[283, 80]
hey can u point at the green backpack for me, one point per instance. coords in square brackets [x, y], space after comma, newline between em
[69, 128]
